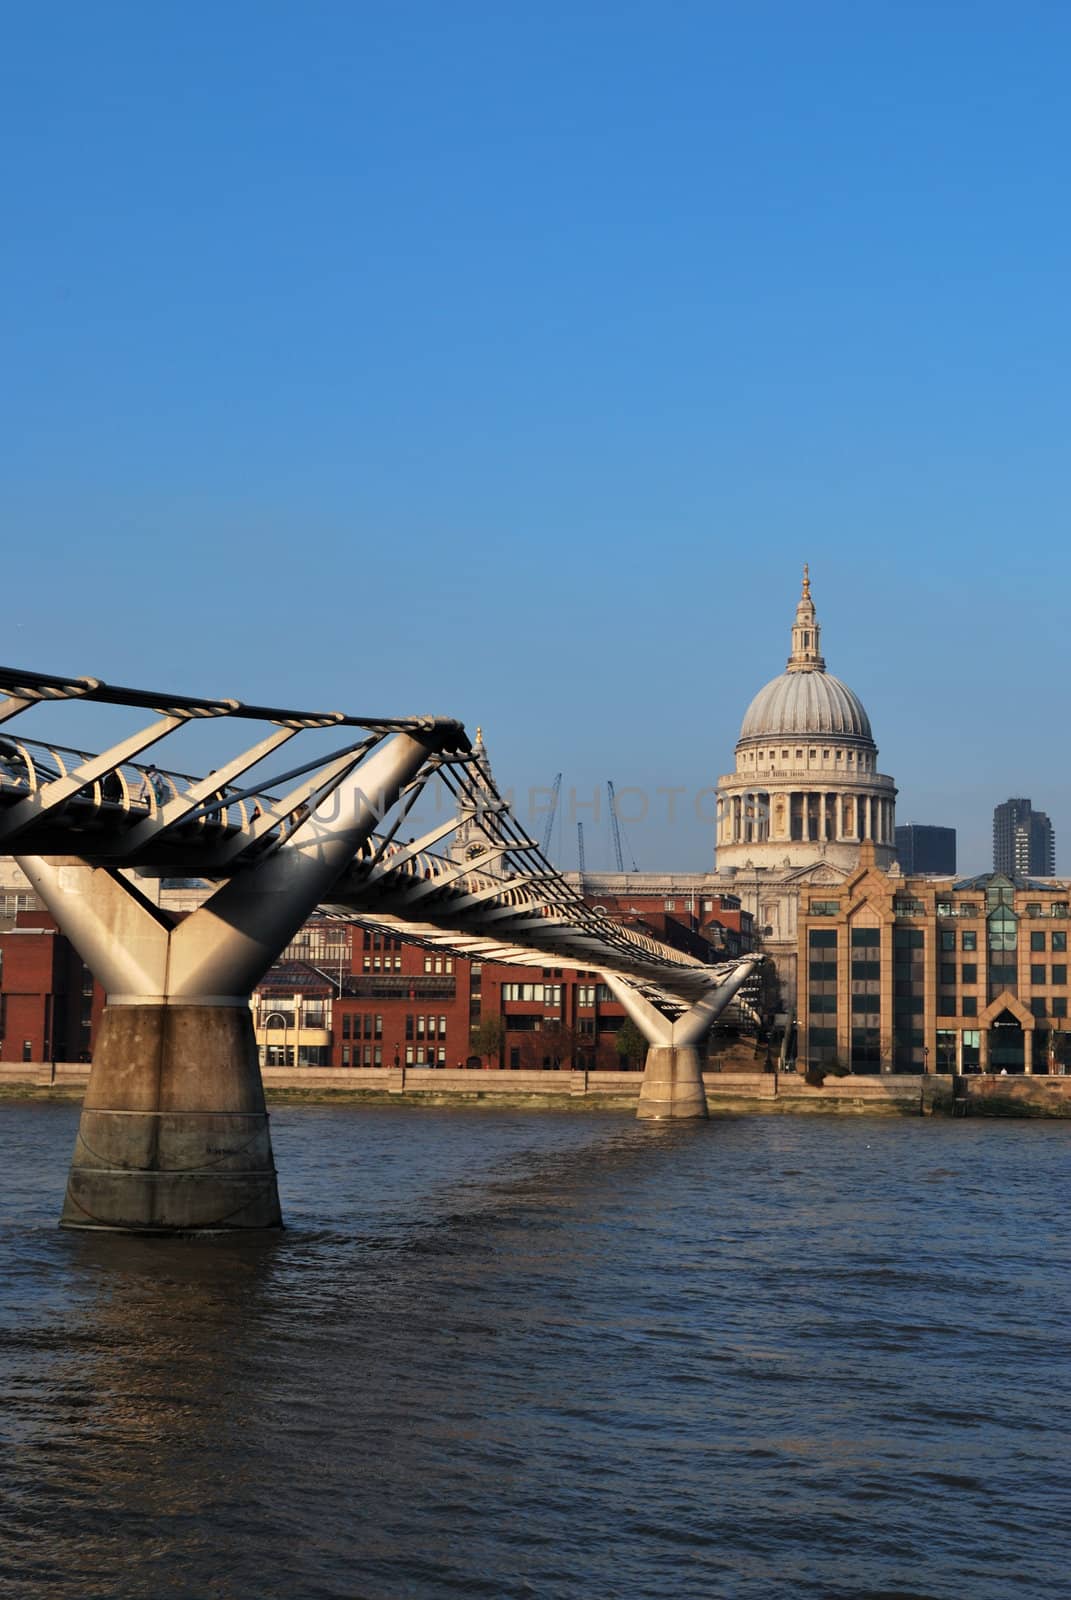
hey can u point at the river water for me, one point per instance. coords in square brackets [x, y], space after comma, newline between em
[550, 1354]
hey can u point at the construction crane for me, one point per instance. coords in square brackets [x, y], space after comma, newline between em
[615, 828]
[554, 795]
[580, 846]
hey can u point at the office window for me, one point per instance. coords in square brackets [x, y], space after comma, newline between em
[1037, 1006]
[947, 972]
[969, 1005]
[1059, 1005]
[345, 1055]
[346, 1024]
[948, 939]
[823, 939]
[409, 1056]
[969, 939]
[970, 972]
[1037, 974]
[1037, 941]
[1059, 972]
[946, 1005]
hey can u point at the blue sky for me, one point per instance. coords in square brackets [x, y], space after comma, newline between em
[507, 362]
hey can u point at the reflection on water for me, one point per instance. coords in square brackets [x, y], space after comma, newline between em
[501, 1353]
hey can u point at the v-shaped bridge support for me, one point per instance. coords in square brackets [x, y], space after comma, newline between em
[174, 1131]
[672, 1079]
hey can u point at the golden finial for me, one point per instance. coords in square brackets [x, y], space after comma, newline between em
[806, 581]
[479, 735]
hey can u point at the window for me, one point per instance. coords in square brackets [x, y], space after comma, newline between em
[948, 939]
[970, 972]
[427, 963]
[946, 1005]
[1037, 974]
[904, 906]
[377, 1055]
[522, 991]
[346, 1025]
[1059, 1005]
[825, 1003]
[1033, 908]
[946, 972]
[823, 939]
[409, 1057]
[969, 940]
[669, 905]
[1037, 1006]
[969, 1005]
[1059, 972]
[866, 936]
[409, 1026]
[824, 908]
[345, 1055]
[1059, 941]
[1037, 941]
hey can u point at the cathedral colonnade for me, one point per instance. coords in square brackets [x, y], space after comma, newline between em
[805, 816]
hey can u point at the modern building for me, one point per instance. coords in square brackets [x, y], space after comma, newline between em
[1023, 840]
[921, 847]
[933, 974]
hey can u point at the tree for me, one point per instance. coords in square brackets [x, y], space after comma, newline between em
[630, 1043]
[487, 1036]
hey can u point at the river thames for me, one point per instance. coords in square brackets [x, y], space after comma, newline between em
[544, 1354]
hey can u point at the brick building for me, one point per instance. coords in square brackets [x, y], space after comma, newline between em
[49, 1002]
[344, 995]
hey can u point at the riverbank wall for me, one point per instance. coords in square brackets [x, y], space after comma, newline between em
[727, 1092]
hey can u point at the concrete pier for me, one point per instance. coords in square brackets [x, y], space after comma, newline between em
[672, 1084]
[174, 1131]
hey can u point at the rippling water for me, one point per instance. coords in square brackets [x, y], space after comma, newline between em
[513, 1354]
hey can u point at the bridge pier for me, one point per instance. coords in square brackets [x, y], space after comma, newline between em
[672, 1085]
[174, 1133]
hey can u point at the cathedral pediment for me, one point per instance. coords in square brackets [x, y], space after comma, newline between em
[817, 872]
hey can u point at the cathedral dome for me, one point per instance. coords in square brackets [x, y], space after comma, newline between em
[809, 704]
[806, 701]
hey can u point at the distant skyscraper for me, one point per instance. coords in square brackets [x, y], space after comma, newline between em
[923, 848]
[1023, 840]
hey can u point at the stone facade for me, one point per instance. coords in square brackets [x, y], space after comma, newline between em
[928, 974]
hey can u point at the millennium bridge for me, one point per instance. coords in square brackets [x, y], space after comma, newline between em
[174, 1132]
